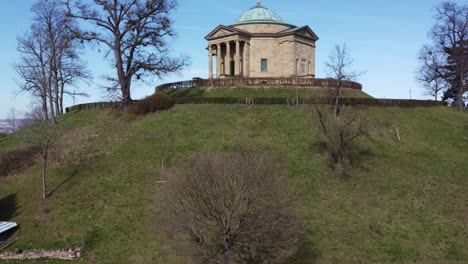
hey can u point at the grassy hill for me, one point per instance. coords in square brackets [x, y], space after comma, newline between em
[406, 200]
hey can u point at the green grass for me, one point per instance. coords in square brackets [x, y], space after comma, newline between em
[249, 92]
[405, 201]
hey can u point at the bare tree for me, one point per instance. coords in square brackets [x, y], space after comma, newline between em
[13, 119]
[233, 209]
[135, 32]
[32, 68]
[49, 61]
[338, 67]
[40, 136]
[429, 73]
[450, 42]
[341, 132]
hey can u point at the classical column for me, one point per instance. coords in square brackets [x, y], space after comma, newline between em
[227, 59]
[312, 62]
[210, 62]
[218, 60]
[294, 58]
[237, 59]
[246, 59]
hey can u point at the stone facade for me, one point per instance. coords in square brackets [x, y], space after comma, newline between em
[260, 44]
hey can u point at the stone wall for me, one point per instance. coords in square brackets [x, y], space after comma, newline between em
[265, 48]
[305, 55]
[290, 81]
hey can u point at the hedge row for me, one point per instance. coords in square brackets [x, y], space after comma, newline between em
[154, 103]
[276, 101]
[285, 101]
[98, 105]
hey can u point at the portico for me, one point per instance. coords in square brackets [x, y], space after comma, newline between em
[230, 58]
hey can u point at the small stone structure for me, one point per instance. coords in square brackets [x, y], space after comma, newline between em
[63, 254]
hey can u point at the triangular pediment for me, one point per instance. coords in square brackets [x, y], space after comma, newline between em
[220, 31]
[307, 32]
[304, 31]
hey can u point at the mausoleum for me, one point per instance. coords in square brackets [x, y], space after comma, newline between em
[261, 44]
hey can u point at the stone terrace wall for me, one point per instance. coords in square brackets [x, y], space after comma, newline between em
[312, 82]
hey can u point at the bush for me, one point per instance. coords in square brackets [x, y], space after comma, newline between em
[3, 135]
[154, 103]
[342, 131]
[233, 209]
[16, 160]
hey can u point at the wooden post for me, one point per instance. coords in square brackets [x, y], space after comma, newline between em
[162, 166]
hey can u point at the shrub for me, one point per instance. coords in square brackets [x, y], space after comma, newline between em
[233, 209]
[342, 132]
[16, 160]
[3, 135]
[154, 103]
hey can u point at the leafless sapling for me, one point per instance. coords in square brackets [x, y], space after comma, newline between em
[13, 121]
[339, 67]
[39, 136]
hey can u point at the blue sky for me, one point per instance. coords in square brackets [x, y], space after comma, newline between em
[384, 38]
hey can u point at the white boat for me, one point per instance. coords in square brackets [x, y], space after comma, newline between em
[5, 226]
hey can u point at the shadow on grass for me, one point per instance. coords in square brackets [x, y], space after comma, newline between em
[8, 207]
[306, 254]
[357, 154]
[70, 176]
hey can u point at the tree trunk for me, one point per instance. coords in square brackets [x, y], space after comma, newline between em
[459, 99]
[51, 104]
[337, 101]
[226, 257]
[45, 111]
[62, 89]
[44, 177]
[126, 93]
[57, 97]
[124, 79]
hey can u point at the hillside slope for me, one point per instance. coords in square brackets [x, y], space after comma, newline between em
[405, 202]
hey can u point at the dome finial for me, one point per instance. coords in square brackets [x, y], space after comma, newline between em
[259, 2]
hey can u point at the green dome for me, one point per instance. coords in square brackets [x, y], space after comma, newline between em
[259, 14]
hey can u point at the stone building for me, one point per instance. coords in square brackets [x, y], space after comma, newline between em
[261, 44]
